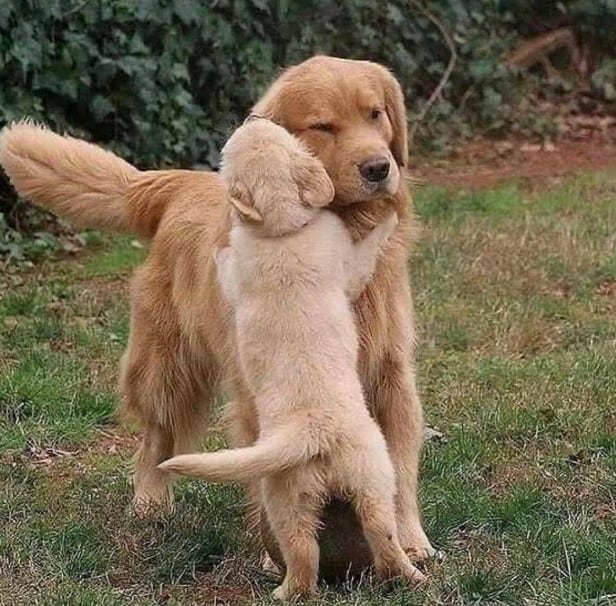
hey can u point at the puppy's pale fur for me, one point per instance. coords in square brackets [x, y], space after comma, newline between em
[289, 273]
[180, 350]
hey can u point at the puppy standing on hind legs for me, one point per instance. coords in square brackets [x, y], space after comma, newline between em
[179, 319]
[290, 274]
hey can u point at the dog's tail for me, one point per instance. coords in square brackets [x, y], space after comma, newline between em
[78, 181]
[281, 451]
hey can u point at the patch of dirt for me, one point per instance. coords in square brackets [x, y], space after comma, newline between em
[607, 288]
[208, 591]
[607, 291]
[63, 463]
[111, 287]
[238, 579]
[484, 162]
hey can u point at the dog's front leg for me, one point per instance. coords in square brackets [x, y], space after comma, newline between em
[392, 393]
[243, 430]
[398, 411]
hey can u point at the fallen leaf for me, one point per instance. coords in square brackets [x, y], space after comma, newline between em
[433, 435]
[530, 148]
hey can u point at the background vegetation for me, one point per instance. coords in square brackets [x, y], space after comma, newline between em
[163, 81]
[515, 288]
[516, 295]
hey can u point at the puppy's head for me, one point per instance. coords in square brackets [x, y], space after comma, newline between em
[274, 182]
[351, 115]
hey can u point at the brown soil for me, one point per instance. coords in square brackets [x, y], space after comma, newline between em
[483, 163]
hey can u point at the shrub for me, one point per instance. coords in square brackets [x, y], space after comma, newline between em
[163, 81]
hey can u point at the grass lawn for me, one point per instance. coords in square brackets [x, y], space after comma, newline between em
[515, 290]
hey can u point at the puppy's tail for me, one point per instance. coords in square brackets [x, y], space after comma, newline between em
[76, 180]
[281, 451]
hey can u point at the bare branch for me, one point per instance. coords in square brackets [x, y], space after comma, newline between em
[75, 9]
[436, 93]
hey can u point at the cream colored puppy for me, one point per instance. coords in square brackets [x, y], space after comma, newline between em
[290, 273]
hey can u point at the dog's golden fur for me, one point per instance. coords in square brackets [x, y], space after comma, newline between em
[180, 347]
[290, 273]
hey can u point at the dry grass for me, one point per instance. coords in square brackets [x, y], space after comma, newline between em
[516, 293]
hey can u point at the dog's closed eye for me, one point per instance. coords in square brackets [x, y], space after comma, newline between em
[326, 127]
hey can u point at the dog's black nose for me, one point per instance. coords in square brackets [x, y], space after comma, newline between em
[375, 169]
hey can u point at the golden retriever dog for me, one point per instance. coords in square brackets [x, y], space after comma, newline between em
[351, 115]
[290, 273]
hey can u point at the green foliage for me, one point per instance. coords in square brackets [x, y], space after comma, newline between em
[604, 79]
[164, 81]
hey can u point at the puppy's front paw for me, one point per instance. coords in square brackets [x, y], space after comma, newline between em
[220, 255]
[216, 256]
[399, 567]
[391, 222]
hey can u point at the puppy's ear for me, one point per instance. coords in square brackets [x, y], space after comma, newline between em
[242, 201]
[315, 186]
[396, 112]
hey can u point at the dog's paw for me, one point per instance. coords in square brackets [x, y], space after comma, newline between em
[289, 591]
[412, 575]
[281, 593]
[400, 568]
[415, 543]
[152, 504]
[421, 551]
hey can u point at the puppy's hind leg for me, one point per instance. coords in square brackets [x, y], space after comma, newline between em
[373, 497]
[293, 513]
[378, 521]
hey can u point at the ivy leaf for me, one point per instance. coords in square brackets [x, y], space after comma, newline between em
[6, 9]
[481, 68]
[101, 107]
[189, 11]
[56, 82]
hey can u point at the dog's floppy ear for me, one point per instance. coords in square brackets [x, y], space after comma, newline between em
[314, 185]
[396, 112]
[242, 201]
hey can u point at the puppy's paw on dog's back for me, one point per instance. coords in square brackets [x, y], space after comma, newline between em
[391, 222]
